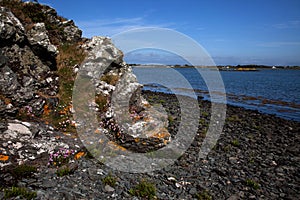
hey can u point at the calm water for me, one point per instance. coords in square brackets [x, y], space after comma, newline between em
[269, 91]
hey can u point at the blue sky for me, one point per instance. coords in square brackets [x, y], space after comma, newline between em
[232, 31]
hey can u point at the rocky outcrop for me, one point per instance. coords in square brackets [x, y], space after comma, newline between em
[126, 112]
[12, 31]
[27, 61]
[40, 43]
[30, 83]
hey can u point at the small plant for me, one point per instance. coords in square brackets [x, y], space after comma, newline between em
[19, 192]
[204, 195]
[205, 114]
[171, 119]
[253, 184]
[63, 171]
[109, 180]
[61, 157]
[162, 101]
[144, 189]
[235, 142]
[23, 171]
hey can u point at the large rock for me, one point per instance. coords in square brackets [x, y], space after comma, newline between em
[41, 45]
[71, 32]
[12, 31]
[127, 115]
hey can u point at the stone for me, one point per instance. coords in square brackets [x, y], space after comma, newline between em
[72, 33]
[108, 188]
[41, 45]
[12, 30]
[19, 128]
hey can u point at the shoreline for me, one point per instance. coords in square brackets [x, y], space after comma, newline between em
[250, 103]
[256, 157]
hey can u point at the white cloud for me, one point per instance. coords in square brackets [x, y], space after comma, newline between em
[278, 44]
[287, 25]
[109, 27]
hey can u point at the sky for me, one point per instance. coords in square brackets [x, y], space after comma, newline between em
[232, 32]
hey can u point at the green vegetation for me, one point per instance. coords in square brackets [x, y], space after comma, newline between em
[19, 192]
[144, 189]
[109, 180]
[235, 142]
[69, 56]
[23, 171]
[170, 119]
[205, 114]
[63, 171]
[162, 101]
[251, 183]
[204, 195]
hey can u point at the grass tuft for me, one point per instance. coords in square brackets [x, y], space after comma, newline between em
[144, 189]
[19, 192]
[253, 184]
[109, 180]
[204, 195]
[23, 171]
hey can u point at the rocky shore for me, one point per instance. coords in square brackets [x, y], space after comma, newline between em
[52, 148]
[256, 157]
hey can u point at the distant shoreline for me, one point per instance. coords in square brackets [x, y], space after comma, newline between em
[221, 67]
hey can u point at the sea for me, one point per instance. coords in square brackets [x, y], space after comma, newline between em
[271, 91]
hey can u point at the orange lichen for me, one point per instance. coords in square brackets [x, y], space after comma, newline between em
[79, 155]
[136, 140]
[66, 110]
[3, 157]
[163, 134]
[46, 110]
[116, 146]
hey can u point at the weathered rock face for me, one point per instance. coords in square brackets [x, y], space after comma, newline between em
[126, 112]
[26, 63]
[12, 31]
[40, 43]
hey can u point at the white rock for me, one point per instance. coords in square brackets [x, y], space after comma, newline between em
[26, 124]
[9, 106]
[108, 188]
[100, 172]
[19, 128]
[18, 145]
[49, 80]
[171, 179]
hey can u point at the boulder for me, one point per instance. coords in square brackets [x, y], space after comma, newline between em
[41, 45]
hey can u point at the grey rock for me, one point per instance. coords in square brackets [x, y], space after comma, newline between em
[12, 30]
[41, 45]
[72, 33]
[108, 188]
